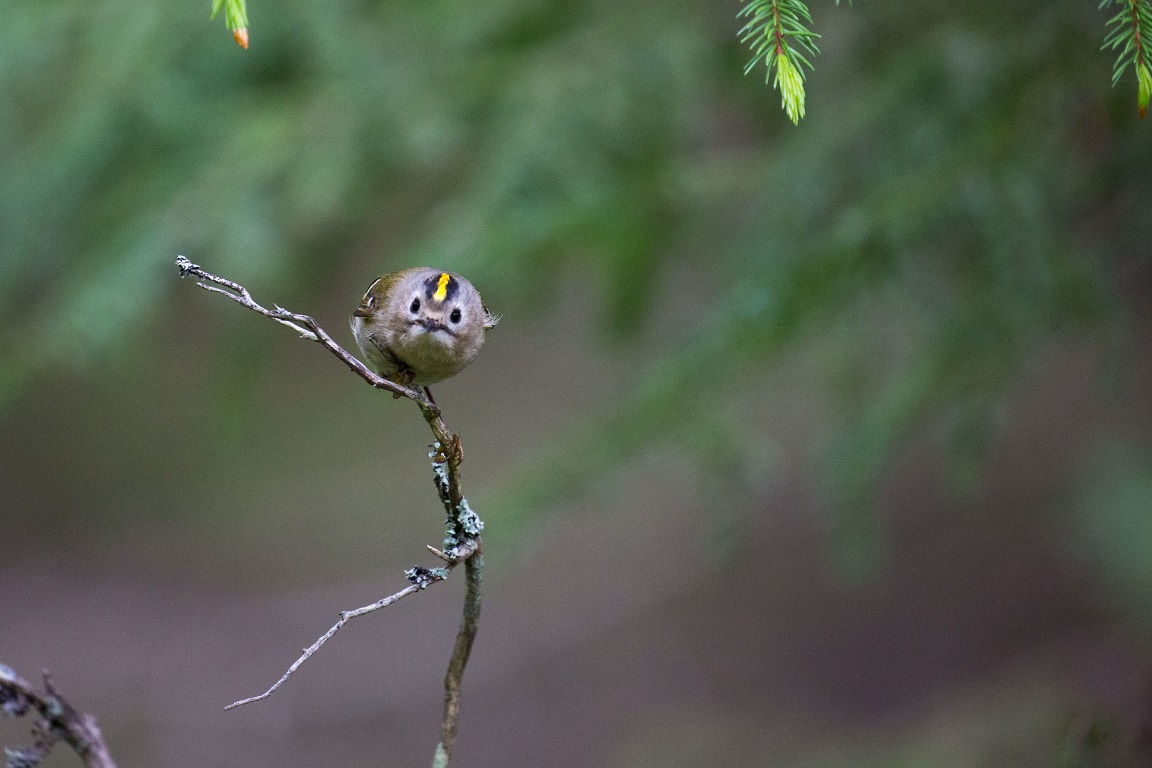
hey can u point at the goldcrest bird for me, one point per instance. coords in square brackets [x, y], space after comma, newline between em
[420, 325]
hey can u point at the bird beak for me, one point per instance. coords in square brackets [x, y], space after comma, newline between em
[362, 311]
[432, 325]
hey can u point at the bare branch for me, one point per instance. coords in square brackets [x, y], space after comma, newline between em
[439, 554]
[57, 720]
[307, 327]
[345, 616]
[462, 538]
[465, 636]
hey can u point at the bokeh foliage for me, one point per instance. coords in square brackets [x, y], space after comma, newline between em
[965, 182]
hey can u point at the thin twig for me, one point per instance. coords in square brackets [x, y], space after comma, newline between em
[439, 554]
[473, 576]
[58, 719]
[345, 616]
[306, 326]
[462, 540]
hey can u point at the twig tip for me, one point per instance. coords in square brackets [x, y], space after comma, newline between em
[442, 555]
[186, 266]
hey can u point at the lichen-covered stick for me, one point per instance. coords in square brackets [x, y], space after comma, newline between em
[56, 720]
[462, 541]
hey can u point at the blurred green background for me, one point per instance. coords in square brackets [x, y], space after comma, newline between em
[798, 446]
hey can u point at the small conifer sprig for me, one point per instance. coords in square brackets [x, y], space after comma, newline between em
[777, 34]
[1128, 33]
[236, 16]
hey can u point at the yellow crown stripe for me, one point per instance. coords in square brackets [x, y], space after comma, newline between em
[442, 287]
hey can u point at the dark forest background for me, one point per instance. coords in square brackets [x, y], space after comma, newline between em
[797, 446]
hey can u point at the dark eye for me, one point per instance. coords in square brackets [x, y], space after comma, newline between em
[415, 306]
[455, 316]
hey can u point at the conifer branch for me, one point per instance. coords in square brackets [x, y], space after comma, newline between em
[777, 34]
[1128, 34]
[236, 16]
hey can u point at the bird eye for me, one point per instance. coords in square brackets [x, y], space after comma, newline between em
[455, 316]
[415, 306]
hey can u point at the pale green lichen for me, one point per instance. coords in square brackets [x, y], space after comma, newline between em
[425, 577]
[470, 522]
[19, 758]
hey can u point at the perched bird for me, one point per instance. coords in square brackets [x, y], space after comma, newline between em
[419, 326]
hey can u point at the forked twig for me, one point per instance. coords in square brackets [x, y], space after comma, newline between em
[461, 543]
[420, 577]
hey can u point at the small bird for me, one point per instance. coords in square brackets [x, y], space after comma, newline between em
[420, 325]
